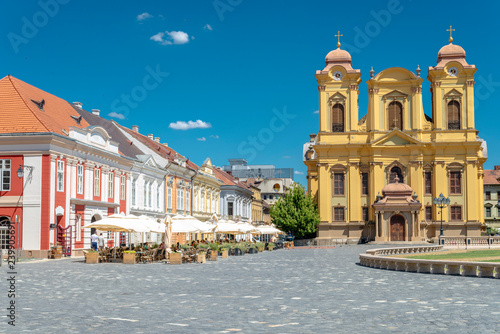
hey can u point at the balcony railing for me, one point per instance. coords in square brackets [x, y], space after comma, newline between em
[453, 125]
[337, 127]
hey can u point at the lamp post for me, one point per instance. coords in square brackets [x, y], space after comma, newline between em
[441, 202]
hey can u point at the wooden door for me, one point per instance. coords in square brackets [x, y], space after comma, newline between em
[397, 228]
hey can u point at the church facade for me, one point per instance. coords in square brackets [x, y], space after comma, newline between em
[375, 178]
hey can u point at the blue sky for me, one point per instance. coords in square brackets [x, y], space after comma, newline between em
[241, 71]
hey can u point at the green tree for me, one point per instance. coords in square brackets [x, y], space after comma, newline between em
[296, 212]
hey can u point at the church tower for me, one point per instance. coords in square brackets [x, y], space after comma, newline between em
[452, 89]
[338, 92]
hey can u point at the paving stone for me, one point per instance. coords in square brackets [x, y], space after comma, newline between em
[297, 291]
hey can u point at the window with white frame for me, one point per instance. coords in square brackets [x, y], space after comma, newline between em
[134, 185]
[111, 177]
[150, 194]
[78, 225]
[79, 179]
[5, 169]
[169, 197]
[202, 201]
[158, 188]
[180, 199]
[60, 175]
[187, 200]
[146, 193]
[122, 187]
[97, 182]
[195, 200]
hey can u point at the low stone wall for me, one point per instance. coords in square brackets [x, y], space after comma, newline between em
[375, 258]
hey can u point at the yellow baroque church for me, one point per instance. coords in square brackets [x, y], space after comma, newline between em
[375, 178]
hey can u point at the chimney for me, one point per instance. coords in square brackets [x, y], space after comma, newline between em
[157, 139]
[165, 144]
[96, 112]
[135, 128]
[497, 167]
[150, 136]
[79, 105]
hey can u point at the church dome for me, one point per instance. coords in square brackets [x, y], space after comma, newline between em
[451, 51]
[397, 189]
[338, 56]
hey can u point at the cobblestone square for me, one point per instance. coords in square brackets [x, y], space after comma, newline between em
[296, 291]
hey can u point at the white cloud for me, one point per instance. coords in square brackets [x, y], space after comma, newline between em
[171, 37]
[316, 112]
[214, 136]
[298, 173]
[198, 124]
[208, 27]
[116, 115]
[287, 157]
[144, 16]
[201, 139]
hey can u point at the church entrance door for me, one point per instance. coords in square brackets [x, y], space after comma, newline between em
[397, 228]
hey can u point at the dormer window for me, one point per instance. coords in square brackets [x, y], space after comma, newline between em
[39, 104]
[78, 120]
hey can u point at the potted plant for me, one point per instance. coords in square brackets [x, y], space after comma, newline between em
[129, 257]
[224, 252]
[252, 248]
[92, 257]
[176, 257]
[214, 251]
[201, 257]
[239, 249]
[260, 246]
[270, 246]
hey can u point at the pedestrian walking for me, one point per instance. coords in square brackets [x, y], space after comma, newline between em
[94, 238]
[100, 242]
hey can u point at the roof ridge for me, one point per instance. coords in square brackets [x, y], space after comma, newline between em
[26, 104]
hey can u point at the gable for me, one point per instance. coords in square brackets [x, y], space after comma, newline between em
[395, 141]
[395, 93]
[453, 93]
[395, 138]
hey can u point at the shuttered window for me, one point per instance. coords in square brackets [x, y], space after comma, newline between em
[454, 115]
[338, 118]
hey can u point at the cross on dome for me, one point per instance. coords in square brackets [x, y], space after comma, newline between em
[338, 38]
[450, 30]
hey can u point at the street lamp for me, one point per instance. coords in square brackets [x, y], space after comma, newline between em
[441, 202]
[20, 171]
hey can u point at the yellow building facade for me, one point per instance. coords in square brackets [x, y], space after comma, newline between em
[350, 160]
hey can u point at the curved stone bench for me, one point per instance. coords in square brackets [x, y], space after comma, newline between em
[381, 259]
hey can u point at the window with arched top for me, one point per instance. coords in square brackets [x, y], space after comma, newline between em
[454, 115]
[395, 112]
[338, 118]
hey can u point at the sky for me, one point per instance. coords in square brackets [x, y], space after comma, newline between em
[235, 78]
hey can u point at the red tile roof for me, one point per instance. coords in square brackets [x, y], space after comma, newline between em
[19, 113]
[165, 151]
[228, 179]
[491, 176]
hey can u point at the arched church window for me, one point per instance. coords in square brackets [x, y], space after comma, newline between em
[396, 171]
[338, 118]
[453, 115]
[395, 115]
